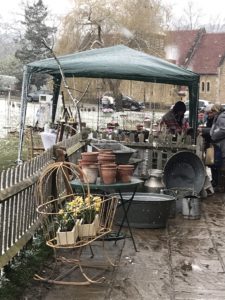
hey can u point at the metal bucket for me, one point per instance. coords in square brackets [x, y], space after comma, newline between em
[191, 208]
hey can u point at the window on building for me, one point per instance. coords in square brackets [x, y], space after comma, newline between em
[208, 86]
[203, 86]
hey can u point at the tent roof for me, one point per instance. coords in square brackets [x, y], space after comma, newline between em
[116, 62]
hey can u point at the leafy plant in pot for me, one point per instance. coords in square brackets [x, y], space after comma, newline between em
[67, 232]
[80, 215]
[88, 215]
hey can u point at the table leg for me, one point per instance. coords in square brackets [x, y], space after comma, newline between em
[125, 217]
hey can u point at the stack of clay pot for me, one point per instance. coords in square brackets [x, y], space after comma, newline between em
[89, 165]
[107, 166]
[124, 173]
[103, 164]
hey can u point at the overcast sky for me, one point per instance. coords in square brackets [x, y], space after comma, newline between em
[9, 8]
[210, 9]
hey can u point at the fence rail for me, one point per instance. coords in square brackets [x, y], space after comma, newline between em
[153, 152]
[18, 217]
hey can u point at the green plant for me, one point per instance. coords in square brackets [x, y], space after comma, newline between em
[78, 208]
[66, 220]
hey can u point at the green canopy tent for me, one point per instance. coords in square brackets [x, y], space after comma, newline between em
[116, 62]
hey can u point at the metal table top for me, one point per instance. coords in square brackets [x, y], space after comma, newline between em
[117, 186]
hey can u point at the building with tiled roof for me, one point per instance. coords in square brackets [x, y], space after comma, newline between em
[202, 53]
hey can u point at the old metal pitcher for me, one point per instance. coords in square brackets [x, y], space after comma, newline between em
[154, 183]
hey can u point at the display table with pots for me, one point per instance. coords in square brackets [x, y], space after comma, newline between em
[119, 188]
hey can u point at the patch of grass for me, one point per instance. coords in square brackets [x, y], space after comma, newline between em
[17, 275]
[9, 151]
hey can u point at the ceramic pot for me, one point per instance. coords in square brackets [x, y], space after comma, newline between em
[108, 174]
[107, 164]
[90, 156]
[90, 173]
[124, 173]
[105, 151]
[107, 156]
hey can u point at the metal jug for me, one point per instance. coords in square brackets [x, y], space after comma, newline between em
[154, 183]
[191, 207]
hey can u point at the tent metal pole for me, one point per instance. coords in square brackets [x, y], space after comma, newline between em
[23, 110]
[193, 107]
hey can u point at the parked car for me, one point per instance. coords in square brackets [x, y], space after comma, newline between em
[35, 96]
[108, 101]
[131, 104]
[142, 105]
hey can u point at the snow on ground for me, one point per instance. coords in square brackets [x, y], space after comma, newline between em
[10, 116]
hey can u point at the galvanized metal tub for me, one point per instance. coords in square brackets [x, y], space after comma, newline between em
[123, 153]
[147, 210]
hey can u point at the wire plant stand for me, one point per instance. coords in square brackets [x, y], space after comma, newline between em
[74, 254]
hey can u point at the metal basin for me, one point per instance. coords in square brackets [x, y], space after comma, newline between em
[147, 210]
[123, 153]
[184, 170]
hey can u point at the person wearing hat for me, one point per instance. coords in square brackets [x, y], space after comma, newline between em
[217, 134]
[174, 119]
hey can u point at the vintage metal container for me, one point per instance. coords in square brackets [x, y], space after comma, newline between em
[191, 207]
[154, 183]
[123, 153]
[147, 210]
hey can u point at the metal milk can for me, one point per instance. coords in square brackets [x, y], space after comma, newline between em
[191, 207]
[154, 183]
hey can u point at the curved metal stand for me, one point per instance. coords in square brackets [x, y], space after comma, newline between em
[80, 262]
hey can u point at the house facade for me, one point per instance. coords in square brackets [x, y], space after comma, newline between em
[203, 53]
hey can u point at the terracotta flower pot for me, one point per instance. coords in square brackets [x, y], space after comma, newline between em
[106, 159]
[90, 156]
[107, 156]
[105, 151]
[124, 173]
[106, 164]
[108, 174]
[90, 173]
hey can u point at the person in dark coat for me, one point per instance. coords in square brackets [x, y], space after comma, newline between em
[205, 132]
[217, 134]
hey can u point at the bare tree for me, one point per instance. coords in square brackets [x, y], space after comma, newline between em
[217, 24]
[98, 23]
[190, 19]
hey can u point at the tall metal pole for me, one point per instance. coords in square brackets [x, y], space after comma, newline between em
[23, 113]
